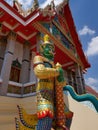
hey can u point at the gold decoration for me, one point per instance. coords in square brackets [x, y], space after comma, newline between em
[30, 119]
[41, 71]
[58, 65]
[20, 126]
[46, 40]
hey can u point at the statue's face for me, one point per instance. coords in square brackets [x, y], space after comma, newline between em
[48, 51]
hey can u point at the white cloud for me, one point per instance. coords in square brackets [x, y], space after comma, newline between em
[57, 2]
[26, 3]
[86, 30]
[9, 1]
[92, 47]
[92, 83]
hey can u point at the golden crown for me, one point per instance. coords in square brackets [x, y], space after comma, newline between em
[46, 39]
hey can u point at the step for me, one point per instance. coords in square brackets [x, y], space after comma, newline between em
[8, 126]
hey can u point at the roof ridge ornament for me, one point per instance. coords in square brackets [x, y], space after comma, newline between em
[18, 7]
[52, 4]
[49, 10]
[61, 6]
[35, 6]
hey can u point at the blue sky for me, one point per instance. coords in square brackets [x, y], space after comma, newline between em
[86, 20]
[85, 17]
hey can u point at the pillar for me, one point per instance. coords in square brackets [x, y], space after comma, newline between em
[3, 42]
[74, 82]
[6, 67]
[69, 74]
[79, 81]
[65, 75]
[24, 73]
[83, 81]
[38, 41]
[32, 75]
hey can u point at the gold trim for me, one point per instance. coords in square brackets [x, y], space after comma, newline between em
[57, 42]
[62, 30]
[64, 20]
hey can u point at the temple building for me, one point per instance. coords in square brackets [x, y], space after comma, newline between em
[21, 32]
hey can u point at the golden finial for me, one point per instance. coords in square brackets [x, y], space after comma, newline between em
[46, 39]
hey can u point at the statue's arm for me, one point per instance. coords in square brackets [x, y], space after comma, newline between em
[43, 72]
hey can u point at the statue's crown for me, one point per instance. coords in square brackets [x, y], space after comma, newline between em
[46, 39]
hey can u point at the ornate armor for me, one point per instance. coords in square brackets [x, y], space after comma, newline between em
[45, 71]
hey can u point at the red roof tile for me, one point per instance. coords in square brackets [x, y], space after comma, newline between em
[91, 91]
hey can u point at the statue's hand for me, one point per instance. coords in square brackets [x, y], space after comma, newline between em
[60, 78]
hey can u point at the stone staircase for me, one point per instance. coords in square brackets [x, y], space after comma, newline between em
[83, 119]
[8, 110]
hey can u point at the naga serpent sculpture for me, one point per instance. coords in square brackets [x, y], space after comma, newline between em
[83, 97]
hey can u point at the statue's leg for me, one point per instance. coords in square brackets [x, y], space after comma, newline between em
[44, 124]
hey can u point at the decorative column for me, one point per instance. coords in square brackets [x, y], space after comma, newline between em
[6, 67]
[69, 74]
[83, 81]
[74, 83]
[60, 107]
[32, 75]
[66, 76]
[59, 102]
[38, 37]
[3, 42]
[24, 74]
[78, 77]
[72, 80]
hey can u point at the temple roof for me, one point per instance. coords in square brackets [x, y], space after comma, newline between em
[91, 90]
[21, 22]
[21, 11]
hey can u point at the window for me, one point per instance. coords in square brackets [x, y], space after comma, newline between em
[15, 71]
